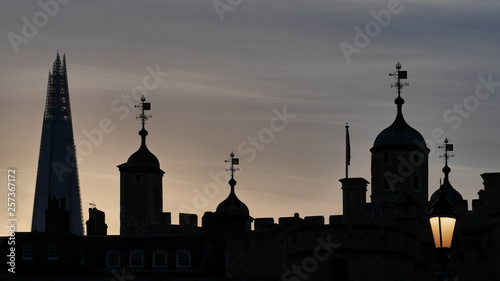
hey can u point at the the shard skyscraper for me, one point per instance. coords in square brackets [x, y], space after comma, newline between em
[57, 166]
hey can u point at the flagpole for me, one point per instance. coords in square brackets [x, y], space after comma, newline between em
[347, 150]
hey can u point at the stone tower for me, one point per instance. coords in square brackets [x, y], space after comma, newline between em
[141, 189]
[57, 177]
[399, 165]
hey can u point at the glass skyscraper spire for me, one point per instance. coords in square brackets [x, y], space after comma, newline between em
[57, 166]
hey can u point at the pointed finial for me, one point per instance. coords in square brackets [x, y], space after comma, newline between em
[233, 161]
[399, 75]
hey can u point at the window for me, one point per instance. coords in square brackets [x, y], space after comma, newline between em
[416, 159]
[183, 259]
[136, 258]
[113, 259]
[52, 251]
[385, 158]
[159, 259]
[82, 256]
[27, 251]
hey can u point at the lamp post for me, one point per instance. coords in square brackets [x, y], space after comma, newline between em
[442, 218]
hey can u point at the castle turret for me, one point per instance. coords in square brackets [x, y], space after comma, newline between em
[141, 191]
[452, 194]
[231, 215]
[399, 164]
[353, 198]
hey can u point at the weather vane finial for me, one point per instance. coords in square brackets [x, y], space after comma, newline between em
[233, 161]
[399, 75]
[143, 106]
[446, 147]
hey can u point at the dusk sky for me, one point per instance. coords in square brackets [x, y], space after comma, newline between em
[273, 81]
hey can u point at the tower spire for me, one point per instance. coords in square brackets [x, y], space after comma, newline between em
[57, 174]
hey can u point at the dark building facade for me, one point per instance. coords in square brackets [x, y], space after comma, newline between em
[385, 238]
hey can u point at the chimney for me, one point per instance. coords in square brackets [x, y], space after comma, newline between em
[56, 216]
[96, 225]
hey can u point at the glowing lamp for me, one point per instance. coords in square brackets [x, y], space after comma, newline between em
[442, 217]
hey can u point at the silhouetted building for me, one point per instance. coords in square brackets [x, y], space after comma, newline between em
[141, 190]
[96, 225]
[231, 215]
[57, 218]
[57, 166]
[386, 238]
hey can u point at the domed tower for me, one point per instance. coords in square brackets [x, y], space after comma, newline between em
[231, 215]
[452, 194]
[141, 191]
[399, 159]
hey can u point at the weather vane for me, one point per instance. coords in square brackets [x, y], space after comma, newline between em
[143, 106]
[446, 147]
[233, 161]
[399, 75]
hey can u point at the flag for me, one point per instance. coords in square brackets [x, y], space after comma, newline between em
[347, 146]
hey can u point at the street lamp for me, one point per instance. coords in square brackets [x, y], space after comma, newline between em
[442, 218]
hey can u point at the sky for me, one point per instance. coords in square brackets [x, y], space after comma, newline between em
[273, 81]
